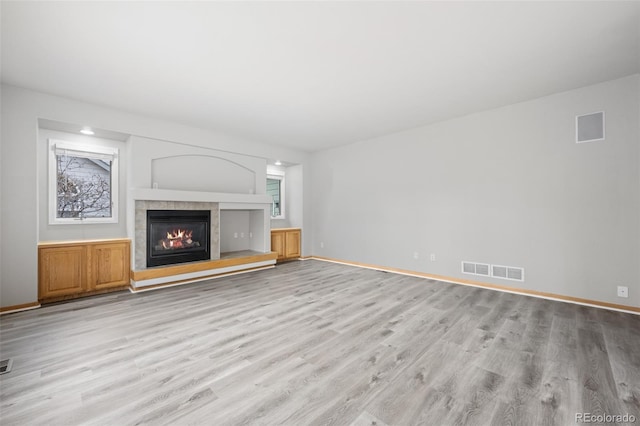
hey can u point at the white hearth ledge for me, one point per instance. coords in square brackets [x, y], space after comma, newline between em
[199, 275]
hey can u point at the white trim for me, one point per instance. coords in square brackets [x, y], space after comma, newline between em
[453, 281]
[83, 150]
[142, 289]
[28, 308]
[57, 147]
[199, 275]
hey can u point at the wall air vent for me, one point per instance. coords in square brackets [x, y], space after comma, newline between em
[475, 268]
[590, 127]
[507, 272]
[468, 268]
[496, 271]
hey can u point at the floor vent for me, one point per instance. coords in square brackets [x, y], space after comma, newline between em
[497, 271]
[5, 365]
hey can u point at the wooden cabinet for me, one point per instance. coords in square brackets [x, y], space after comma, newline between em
[74, 269]
[277, 243]
[110, 265]
[62, 271]
[292, 243]
[286, 242]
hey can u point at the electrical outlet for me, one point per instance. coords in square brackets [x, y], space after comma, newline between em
[321, 244]
[242, 235]
[623, 291]
[235, 235]
[415, 254]
[250, 234]
[433, 257]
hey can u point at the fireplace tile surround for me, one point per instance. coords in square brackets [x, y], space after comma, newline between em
[257, 249]
[141, 207]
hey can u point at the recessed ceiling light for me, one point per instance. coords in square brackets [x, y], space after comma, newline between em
[278, 163]
[87, 131]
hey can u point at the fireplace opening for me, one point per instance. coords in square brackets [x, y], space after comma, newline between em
[177, 236]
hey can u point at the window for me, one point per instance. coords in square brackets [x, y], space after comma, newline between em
[83, 183]
[275, 188]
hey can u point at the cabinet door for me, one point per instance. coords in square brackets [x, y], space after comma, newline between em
[292, 244]
[63, 271]
[109, 265]
[277, 243]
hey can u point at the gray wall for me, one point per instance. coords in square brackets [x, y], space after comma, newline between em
[234, 222]
[18, 265]
[209, 170]
[2, 203]
[20, 172]
[295, 185]
[507, 186]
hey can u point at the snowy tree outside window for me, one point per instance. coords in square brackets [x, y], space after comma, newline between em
[84, 185]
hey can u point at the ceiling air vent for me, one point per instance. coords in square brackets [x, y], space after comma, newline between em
[590, 127]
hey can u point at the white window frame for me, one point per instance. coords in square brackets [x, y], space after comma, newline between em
[87, 151]
[279, 175]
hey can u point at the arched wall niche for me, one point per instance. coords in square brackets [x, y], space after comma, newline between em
[205, 173]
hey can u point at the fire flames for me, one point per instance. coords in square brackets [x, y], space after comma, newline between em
[178, 238]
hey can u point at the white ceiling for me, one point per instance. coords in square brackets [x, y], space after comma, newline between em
[312, 75]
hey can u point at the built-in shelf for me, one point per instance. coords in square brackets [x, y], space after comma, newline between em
[285, 242]
[71, 269]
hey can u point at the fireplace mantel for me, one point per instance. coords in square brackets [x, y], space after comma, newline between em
[197, 196]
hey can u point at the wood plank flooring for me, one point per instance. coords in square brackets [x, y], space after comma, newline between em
[317, 343]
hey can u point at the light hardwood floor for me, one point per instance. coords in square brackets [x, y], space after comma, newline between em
[314, 343]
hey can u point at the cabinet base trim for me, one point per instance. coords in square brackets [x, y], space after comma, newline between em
[46, 300]
[19, 308]
[288, 259]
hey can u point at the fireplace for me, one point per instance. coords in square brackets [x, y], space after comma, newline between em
[177, 236]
